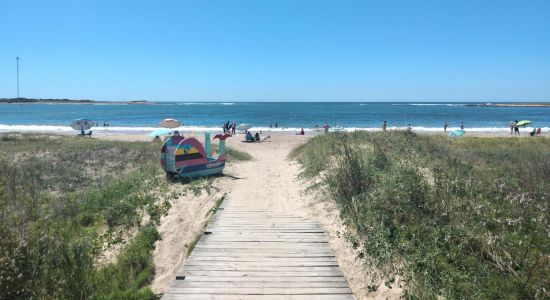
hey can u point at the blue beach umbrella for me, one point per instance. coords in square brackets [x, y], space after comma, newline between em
[159, 132]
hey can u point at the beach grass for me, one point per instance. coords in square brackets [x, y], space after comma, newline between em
[458, 219]
[63, 200]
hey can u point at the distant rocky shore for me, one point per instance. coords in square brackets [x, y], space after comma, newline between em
[66, 101]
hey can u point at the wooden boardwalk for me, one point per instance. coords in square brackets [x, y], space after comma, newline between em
[250, 253]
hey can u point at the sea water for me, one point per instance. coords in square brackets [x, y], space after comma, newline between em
[287, 116]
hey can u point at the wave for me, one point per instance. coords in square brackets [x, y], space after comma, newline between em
[432, 104]
[215, 129]
[205, 103]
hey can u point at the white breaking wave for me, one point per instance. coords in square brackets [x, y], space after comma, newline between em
[120, 129]
[431, 104]
[205, 103]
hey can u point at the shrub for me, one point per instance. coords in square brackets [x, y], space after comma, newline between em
[459, 219]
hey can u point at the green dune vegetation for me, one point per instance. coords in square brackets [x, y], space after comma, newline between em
[64, 200]
[458, 219]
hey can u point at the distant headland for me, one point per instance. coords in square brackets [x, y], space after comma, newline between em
[65, 101]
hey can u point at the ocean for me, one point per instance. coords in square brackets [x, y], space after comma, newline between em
[288, 116]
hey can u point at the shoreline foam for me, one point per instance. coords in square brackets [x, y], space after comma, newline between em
[286, 130]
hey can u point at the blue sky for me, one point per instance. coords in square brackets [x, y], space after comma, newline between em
[265, 50]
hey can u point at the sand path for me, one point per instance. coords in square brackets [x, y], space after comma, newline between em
[270, 179]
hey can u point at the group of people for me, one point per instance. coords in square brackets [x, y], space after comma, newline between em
[105, 124]
[252, 138]
[229, 128]
[445, 126]
[409, 127]
[514, 129]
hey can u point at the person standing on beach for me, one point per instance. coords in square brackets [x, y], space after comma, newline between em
[385, 126]
[445, 127]
[516, 127]
[326, 127]
[512, 126]
[461, 125]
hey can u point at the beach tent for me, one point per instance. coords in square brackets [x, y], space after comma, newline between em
[456, 133]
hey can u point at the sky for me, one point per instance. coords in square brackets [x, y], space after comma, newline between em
[277, 50]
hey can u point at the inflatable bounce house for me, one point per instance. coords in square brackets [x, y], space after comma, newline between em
[187, 158]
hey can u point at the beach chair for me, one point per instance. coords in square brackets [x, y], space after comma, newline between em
[89, 134]
[536, 132]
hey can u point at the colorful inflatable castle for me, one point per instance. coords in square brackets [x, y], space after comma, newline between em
[187, 158]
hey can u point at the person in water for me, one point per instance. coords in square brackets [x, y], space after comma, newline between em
[326, 127]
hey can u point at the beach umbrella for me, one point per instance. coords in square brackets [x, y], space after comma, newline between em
[159, 132]
[82, 124]
[456, 133]
[523, 123]
[170, 123]
[244, 126]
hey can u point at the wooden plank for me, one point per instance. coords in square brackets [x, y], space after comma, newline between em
[263, 245]
[254, 297]
[260, 231]
[263, 248]
[263, 269]
[261, 273]
[262, 284]
[263, 263]
[277, 236]
[213, 259]
[218, 239]
[210, 278]
[261, 291]
[319, 235]
[264, 221]
[262, 254]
